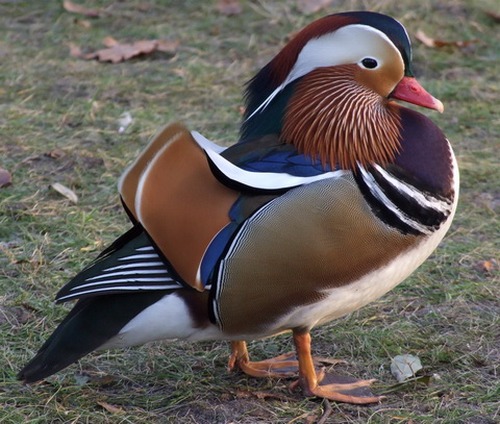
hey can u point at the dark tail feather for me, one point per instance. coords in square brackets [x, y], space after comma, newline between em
[91, 323]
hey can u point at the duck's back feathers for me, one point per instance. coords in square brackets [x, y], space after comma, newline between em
[173, 194]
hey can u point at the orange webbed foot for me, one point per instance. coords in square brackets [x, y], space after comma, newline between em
[338, 388]
[282, 366]
[325, 385]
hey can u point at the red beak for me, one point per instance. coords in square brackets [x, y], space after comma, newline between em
[410, 90]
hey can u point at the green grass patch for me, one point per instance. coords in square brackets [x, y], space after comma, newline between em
[447, 312]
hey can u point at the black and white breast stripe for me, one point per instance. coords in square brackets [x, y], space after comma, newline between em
[400, 204]
[134, 267]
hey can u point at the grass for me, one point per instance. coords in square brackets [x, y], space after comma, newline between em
[58, 123]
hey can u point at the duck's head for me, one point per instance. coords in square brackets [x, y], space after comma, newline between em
[330, 91]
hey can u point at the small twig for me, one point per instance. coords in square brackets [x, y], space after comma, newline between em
[327, 413]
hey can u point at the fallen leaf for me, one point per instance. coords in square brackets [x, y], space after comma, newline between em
[433, 43]
[5, 178]
[122, 52]
[65, 191]
[109, 41]
[71, 7]
[309, 7]
[75, 51]
[229, 7]
[124, 122]
[118, 52]
[84, 23]
[168, 46]
[110, 408]
[55, 154]
[13, 315]
[405, 366]
[488, 266]
[81, 380]
[493, 15]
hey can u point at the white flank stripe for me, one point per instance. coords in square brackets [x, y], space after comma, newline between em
[145, 248]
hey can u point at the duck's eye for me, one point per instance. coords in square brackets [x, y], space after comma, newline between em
[369, 63]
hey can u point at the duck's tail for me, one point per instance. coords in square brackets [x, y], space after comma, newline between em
[129, 295]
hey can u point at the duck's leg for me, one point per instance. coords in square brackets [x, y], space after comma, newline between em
[338, 388]
[281, 366]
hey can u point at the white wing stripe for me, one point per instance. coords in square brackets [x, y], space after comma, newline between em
[119, 288]
[136, 272]
[145, 248]
[135, 265]
[141, 256]
[124, 280]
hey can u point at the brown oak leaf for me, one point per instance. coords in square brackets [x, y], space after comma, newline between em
[110, 408]
[493, 15]
[115, 51]
[229, 7]
[434, 43]
[71, 7]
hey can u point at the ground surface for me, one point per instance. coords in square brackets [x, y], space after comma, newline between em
[59, 123]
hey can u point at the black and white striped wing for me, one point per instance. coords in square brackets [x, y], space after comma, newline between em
[130, 264]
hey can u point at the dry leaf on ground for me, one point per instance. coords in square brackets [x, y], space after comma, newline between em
[69, 6]
[74, 50]
[118, 52]
[229, 7]
[405, 366]
[65, 191]
[488, 266]
[312, 6]
[167, 46]
[110, 408]
[431, 42]
[493, 15]
[84, 23]
[110, 41]
[5, 178]
[124, 122]
[13, 315]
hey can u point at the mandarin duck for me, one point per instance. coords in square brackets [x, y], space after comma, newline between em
[333, 195]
